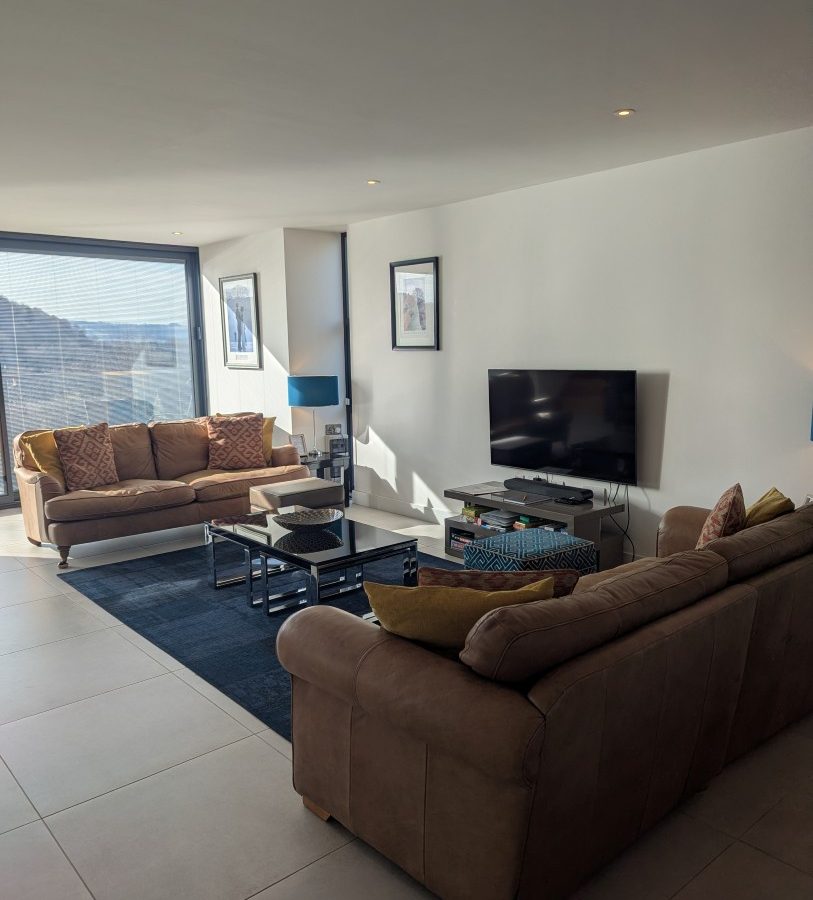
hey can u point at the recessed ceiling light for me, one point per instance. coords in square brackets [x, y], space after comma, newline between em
[373, 181]
[624, 113]
[177, 232]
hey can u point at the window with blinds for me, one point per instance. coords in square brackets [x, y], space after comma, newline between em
[87, 339]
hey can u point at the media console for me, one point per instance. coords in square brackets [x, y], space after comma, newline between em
[588, 520]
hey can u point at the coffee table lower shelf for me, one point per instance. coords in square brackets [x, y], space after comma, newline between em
[322, 580]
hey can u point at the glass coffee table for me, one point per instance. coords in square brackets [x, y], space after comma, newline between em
[331, 561]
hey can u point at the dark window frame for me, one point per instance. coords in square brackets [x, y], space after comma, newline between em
[55, 245]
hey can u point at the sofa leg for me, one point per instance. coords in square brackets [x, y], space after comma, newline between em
[323, 814]
[35, 543]
[63, 557]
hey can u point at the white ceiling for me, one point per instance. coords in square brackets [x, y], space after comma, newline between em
[223, 117]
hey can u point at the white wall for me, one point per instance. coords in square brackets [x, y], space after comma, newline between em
[239, 390]
[299, 284]
[313, 269]
[695, 270]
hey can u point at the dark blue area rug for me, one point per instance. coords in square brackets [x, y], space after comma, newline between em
[167, 599]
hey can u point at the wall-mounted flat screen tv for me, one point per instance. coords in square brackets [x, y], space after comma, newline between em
[565, 422]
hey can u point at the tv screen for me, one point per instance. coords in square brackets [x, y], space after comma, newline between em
[566, 422]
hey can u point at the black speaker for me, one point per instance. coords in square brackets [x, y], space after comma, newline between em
[337, 446]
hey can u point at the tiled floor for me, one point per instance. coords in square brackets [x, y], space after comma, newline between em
[124, 775]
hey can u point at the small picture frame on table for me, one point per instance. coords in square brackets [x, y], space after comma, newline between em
[334, 428]
[415, 304]
[298, 442]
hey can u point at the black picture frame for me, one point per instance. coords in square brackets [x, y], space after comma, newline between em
[415, 327]
[240, 292]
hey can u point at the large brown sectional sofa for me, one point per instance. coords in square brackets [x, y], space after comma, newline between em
[647, 681]
[164, 482]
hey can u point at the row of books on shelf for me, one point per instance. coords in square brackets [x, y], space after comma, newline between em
[502, 521]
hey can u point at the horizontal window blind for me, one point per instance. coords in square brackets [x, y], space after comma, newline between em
[87, 339]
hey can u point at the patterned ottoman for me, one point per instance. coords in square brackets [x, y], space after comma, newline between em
[533, 548]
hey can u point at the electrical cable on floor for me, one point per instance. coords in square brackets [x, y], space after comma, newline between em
[624, 529]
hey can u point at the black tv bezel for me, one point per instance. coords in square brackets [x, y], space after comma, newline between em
[559, 472]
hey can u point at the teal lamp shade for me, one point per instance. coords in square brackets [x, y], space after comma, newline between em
[313, 390]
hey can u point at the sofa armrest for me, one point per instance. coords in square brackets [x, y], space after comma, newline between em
[437, 700]
[36, 488]
[679, 529]
[286, 455]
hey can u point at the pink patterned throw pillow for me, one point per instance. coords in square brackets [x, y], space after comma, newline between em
[727, 517]
[86, 455]
[236, 442]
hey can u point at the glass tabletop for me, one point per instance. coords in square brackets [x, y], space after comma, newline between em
[344, 540]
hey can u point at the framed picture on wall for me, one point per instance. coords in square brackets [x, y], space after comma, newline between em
[240, 309]
[415, 304]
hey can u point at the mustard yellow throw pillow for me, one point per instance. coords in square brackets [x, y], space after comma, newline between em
[42, 448]
[442, 615]
[770, 505]
[268, 438]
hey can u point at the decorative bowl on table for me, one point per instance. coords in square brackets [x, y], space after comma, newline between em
[310, 541]
[309, 519]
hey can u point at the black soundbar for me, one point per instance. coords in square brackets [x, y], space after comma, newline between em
[563, 492]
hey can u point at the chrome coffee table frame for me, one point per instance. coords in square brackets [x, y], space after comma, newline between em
[324, 577]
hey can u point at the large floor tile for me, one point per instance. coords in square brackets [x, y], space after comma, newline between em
[744, 791]
[32, 867]
[9, 563]
[743, 873]
[660, 863]
[350, 873]
[220, 827]
[240, 713]
[156, 653]
[786, 832]
[278, 742]
[41, 678]
[70, 754]
[21, 585]
[15, 810]
[42, 622]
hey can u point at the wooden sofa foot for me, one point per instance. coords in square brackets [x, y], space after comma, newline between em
[323, 814]
[35, 543]
[63, 557]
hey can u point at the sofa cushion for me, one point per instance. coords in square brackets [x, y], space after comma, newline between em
[758, 548]
[236, 442]
[518, 643]
[285, 455]
[726, 517]
[564, 580]
[217, 484]
[179, 447]
[86, 455]
[442, 616]
[588, 582]
[133, 495]
[771, 505]
[132, 450]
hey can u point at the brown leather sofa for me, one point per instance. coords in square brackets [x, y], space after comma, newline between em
[164, 482]
[646, 682]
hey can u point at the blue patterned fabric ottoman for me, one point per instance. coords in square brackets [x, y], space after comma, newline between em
[533, 548]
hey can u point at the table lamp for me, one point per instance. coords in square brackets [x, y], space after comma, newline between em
[312, 391]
